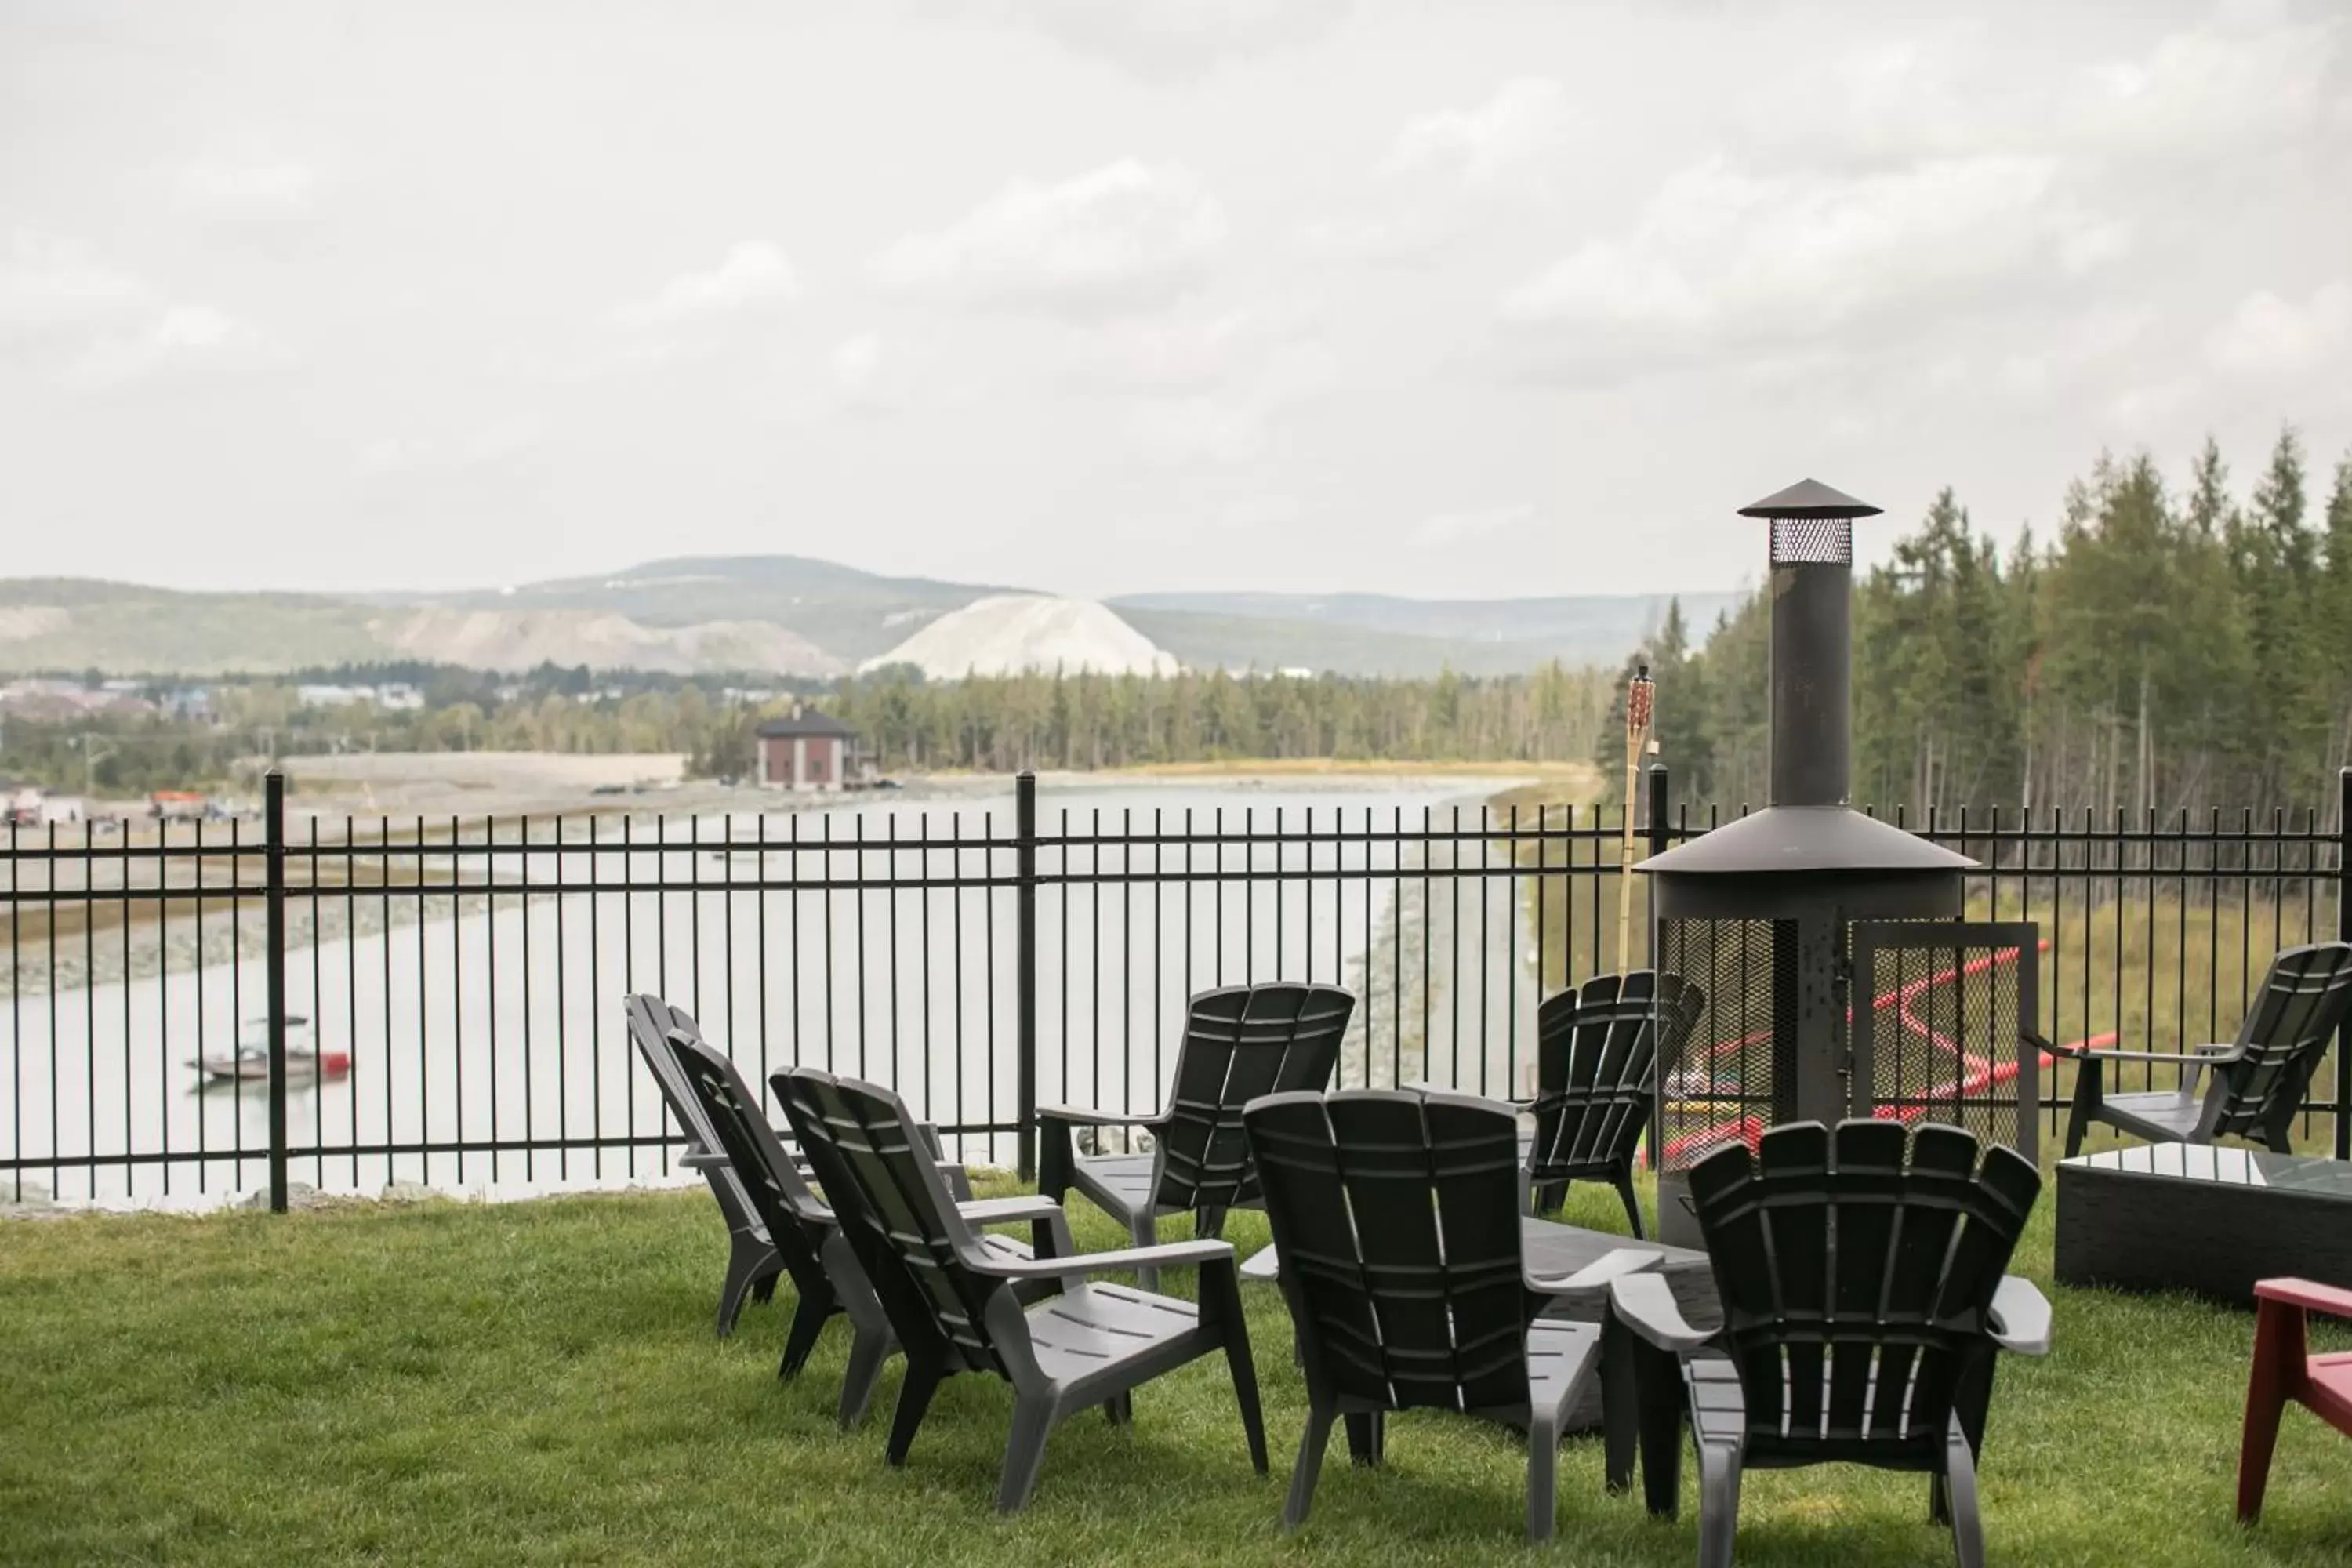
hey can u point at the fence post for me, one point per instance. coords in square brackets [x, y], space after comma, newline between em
[1024, 977]
[273, 821]
[2344, 931]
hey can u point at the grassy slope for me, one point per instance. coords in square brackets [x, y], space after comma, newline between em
[539, 1384]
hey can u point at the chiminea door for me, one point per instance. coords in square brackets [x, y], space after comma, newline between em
[1941, 1011]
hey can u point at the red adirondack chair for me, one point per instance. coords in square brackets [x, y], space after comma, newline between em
[2283, 1370]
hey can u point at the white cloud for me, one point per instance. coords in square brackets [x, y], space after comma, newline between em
[1454, 528]
[1525, 129]
[2268, 336]
[97, 326]
[1161, 39]
[258, 188]
[753, 275]
[1722, 257]
[1227, 419]
[2221, 87]
[1125, 236]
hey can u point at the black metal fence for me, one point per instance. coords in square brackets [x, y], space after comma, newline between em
[437, 1000]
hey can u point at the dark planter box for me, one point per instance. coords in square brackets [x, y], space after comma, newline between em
[2173, 1216]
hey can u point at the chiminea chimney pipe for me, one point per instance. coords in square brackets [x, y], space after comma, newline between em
[1812, 641]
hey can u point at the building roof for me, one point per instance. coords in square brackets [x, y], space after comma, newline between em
[810, 724]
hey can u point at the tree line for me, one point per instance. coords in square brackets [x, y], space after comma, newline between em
[2174, 644]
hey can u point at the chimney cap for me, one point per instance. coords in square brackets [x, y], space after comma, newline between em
[1810, 499]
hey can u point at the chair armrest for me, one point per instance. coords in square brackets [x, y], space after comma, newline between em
[2305, 1293]
[1007, 1211]
[1082, 1116]
[1266, 1263]
[2187, 1058]
[1645, 1304]
[2021, 1317]
[1615, 1264]
[700, 1160]
[1168, 1255]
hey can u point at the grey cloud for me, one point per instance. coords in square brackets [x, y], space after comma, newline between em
[1160, 40]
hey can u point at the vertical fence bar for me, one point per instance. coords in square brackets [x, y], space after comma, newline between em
[1025, 974]
[273, 851]
[2344, 931]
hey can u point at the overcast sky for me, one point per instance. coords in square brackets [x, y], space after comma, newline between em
[1466, 297]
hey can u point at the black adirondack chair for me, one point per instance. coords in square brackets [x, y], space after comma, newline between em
[808, 1240]
[2258, 1080]
[1864, 1297]
[752, 1261]
[955, 1305]
[1396, 1215]
[1239, 1042]
[1597, 1050]
[752, 1265]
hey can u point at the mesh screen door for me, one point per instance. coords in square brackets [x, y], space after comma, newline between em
[1940, 1010]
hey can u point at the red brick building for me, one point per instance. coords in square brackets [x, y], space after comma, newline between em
[808, 751]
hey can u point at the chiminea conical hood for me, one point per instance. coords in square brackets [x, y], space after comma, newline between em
[1810, 832]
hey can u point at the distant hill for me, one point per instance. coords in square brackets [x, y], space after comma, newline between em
[1396, 636]
[775, 614]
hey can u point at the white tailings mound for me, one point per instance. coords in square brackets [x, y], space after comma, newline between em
[1008, 633]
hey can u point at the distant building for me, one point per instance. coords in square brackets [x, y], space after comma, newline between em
[396, 697]
[808, 751]
[333, 696]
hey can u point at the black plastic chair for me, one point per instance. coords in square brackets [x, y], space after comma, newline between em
[2258, 1080]
[1861, 1277]
[1597, 1052]
[1239, 1043]
[752, 1265]
[1396, 1216]
[954, 1304]
[752, 1261]
[809, 1245]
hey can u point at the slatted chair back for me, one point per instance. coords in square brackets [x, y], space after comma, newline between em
[1396, 1215]
[2287, 1030]
[794, 1215]
[1240, 1042]
[1857, 1270]
[1597, 1051]
[895, 1208]
[651, 1019]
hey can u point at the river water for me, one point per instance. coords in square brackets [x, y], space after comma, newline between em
[497, 1021]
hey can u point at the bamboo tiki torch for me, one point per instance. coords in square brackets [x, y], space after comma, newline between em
[1637, 730]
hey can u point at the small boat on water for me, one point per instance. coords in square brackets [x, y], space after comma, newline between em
[249, 1063]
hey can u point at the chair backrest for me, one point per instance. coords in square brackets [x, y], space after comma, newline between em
[1856, 1269]
[1396, 1214]
[794, 1215]
[651, 1019]
[2286, 1031]
[895, 1208]
[1240, 1042]
[1597, 1053]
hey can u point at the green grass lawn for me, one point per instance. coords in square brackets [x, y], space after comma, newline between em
[537, 1383]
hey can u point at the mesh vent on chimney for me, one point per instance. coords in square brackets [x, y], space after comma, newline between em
[1812, 541]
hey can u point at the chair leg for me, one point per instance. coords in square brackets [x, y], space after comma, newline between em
[750, 1263]
[1024, 1451]
[1121, 1408]
[1660, 1403]
[808, 1322]
[2085, 1107]
[1368, 1438]
[1960, 1478]
[763, 1289]
[1624, 1185]
[1303, 1475]
[2277, 1373]
[914, 1399]
[867, 1350]
[1718, 1504]
[1620, 1404]
[1143, 1230]
[1543, 1474]
[1244, 1371]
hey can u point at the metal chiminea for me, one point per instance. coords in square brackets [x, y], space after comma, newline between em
[1792, 919]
